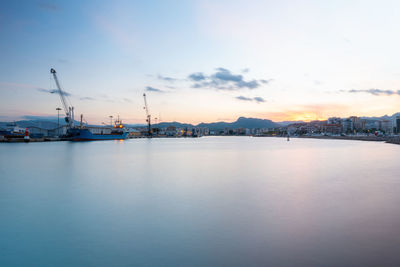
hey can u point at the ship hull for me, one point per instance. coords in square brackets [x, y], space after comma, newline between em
[87, 135]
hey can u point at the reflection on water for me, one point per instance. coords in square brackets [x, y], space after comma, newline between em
[233, 201]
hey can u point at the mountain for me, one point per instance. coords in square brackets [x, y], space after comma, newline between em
[286, 123]
[241, 122]
[44, 124]
[174, 123]
[251, 123]
[48, 123]
[385, 117]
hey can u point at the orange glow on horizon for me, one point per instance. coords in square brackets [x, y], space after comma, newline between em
[306, 116]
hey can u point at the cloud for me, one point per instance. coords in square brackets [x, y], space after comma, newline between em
[55, 91]
[48, 6]
[244, 98]
[87, 98]
[225, 75]
[52, 91]
[224, 79]
[152, 89]
[198, 76]
[376, 92]
[164, 78]
[259, 99]
[127, 100]
[265, 81]
[256, 99]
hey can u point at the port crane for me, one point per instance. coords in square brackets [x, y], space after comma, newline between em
[68, 109]
[148, 116]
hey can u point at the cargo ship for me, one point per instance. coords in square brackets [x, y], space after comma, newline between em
[93, 133]
[87, 133]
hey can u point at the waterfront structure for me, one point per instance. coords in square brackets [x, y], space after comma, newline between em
[334, 120]
[386, 126]
[398, 124]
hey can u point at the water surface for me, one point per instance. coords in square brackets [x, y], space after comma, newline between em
[213, 201]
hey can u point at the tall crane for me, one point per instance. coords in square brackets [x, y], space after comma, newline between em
[68, 109]
[148, 116]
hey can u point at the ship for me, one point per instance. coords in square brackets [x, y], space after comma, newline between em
[93, 133]
[87, 133]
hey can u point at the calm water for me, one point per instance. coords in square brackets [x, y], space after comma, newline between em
[215, 201]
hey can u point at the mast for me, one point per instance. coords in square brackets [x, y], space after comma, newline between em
[69, 110]
[148, 116]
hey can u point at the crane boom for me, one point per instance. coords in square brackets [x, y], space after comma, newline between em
[148, 116]
[69, 111]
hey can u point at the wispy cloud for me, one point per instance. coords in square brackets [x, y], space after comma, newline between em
[168, 79]
[87, 98]
[107, 98]
[256, 99]
[152, 89]
[376, 92]
[52, 91]
[224, 79]
[198, 76]
[259, 99]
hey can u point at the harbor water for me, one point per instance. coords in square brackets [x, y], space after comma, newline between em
[211, 201]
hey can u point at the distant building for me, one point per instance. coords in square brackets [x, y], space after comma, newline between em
[386, 126]
[398, 124]
[332, 128]
[356, 123]
[171, 131]
[370, 125]
[347, 125]
[134, 132]
[335, 120]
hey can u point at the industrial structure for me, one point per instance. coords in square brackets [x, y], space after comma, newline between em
[148, 116]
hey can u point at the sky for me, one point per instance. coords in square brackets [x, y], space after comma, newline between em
[201, 61]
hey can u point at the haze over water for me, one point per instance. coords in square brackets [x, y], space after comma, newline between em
[213, 201]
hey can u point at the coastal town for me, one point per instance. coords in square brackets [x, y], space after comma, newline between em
[376, 129]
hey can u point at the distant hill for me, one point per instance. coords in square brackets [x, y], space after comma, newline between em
[34, 123]
[385, 117]
[48, 123]
[286, 123]
[242, 122]
[174, 123]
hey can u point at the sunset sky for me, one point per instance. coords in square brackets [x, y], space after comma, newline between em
[201, 61]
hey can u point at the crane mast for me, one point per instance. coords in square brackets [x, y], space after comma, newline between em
[69, 110]
[148, 116]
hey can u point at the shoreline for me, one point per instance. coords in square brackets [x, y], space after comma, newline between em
[387, 139]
